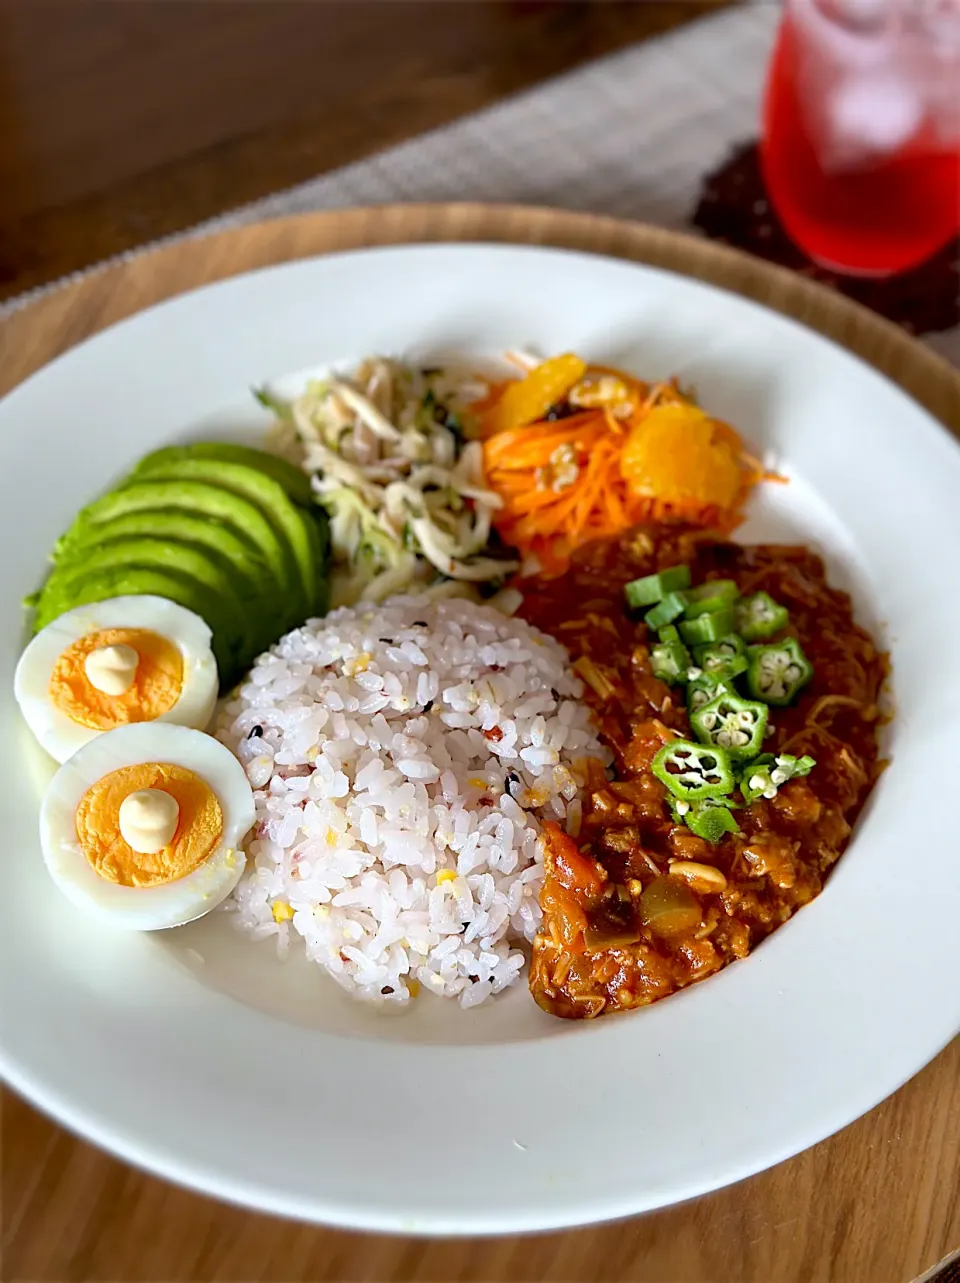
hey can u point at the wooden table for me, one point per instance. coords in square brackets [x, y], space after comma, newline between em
[125, 120]
[878, 1203]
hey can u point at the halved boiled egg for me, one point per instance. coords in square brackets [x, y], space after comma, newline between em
[142, 826]
[123, 660]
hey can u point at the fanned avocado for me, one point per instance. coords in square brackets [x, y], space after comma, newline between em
[294, 482]
[286, 519]
[226, 531]
[137, 581]
[222, 607]
[254, 585]
[193, 498]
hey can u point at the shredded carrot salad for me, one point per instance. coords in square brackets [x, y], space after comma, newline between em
[580, 452]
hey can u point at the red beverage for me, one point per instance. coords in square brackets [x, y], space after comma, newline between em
[859, 152]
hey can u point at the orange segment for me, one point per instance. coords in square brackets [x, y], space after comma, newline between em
[198, 833]
[529, 398]
[677, 454]
[155, 690]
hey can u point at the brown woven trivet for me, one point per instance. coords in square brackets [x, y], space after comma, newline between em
[734, 208]
[949, 1274]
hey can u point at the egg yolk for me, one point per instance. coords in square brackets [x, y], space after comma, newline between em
[155, 689]
[197, 836]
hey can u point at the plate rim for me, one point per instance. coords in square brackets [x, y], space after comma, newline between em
[45, 324]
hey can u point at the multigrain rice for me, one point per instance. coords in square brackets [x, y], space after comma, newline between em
[403, 757]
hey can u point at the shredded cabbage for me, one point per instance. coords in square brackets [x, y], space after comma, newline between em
[390, 454]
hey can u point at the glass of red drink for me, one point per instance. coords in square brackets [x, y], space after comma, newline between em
[861, 130]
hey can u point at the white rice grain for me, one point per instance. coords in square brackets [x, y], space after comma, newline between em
[402, 758]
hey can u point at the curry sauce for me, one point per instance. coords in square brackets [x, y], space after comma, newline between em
[638, 906]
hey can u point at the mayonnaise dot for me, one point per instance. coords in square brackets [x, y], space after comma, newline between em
[111, 669]
[148, 820]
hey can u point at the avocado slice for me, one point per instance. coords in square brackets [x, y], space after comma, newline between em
[201, 562]
[256, 487]
[199, 500]
[222, 607]
[317, 526]
[253, 582]
[136, 581]
[294, 482]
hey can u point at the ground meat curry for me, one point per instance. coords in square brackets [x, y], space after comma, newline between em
[636, 905]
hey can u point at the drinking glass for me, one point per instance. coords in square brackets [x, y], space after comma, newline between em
[861, 130]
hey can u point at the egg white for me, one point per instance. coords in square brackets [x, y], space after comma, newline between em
[146, 908]
[55, 731]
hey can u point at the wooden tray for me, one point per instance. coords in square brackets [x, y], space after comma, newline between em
[877, 1203]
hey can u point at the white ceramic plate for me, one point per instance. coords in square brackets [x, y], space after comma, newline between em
[195, 1054]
